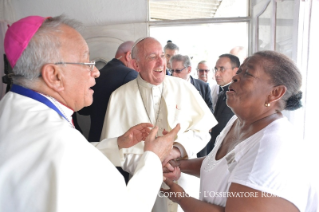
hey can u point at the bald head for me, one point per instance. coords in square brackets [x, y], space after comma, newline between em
[140, 45]
[124, 48]
[123, 53]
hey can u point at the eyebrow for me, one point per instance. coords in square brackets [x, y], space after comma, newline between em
[250, 66]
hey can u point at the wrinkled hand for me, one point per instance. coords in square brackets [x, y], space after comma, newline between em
[175, 153]
[175, 192]
[173, 175]
[162, 145]
[134, 135]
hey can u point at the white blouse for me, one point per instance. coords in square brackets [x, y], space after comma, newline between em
[266, 161]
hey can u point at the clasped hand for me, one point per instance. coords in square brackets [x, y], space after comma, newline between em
[172, 170]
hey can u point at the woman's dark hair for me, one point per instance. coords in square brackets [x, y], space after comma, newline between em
[170, 45]
[283, 71]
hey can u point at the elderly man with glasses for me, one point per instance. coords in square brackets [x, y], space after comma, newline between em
[204, 73]
[182, 68]
[225, 68]
[45, 163]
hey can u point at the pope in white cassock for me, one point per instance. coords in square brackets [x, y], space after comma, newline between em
[163, 101]
[45, 163]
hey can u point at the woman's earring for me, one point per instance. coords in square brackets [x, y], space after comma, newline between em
[267, 104]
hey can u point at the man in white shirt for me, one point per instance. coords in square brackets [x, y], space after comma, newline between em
[163, 101]
[45, 163]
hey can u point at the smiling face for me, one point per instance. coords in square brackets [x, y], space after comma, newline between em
[77, 79]
[250, 88]
[150, 61]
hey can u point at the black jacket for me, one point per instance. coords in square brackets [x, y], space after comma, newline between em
[222, 114]
[204, 90]
[113, 75]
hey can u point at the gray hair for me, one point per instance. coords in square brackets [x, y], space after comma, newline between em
[44, 47]
[203, 62]
[170, 45]
[184, 58]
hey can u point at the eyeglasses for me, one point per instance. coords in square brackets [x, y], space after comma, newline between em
[91, 64]
[177, 70]
[221, 69]
[203, 70]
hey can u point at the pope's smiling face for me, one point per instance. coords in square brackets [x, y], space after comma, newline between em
[150, 61]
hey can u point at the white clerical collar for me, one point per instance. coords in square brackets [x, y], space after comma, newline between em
[188, 79]
[225, 85]
[145, 84]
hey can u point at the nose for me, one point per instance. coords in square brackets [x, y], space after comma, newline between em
[161, 60]
[95, 72]
[216, 73]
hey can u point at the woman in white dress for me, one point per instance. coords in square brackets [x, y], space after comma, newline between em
[256, 164]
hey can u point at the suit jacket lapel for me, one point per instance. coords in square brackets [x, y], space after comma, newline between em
[221, 101]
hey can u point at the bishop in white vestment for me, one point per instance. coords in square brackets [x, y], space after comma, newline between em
[45, 163]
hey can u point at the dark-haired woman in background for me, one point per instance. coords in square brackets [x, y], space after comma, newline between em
[255, 165]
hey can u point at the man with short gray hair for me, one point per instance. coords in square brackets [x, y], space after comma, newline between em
[181, 67]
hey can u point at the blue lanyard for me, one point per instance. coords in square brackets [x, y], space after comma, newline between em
[36, 96]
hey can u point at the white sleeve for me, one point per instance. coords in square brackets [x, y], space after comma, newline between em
[147, 174]
[192, 142]
[145, 183]
[128, 161]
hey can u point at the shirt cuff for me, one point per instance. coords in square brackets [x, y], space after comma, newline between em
[110, 149]
[181, 149]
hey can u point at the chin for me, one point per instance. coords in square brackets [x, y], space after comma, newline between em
[230, 102]
[88, 103]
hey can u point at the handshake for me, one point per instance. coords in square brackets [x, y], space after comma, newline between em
[162, 146]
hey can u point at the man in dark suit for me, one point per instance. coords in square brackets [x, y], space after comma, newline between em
[225, 68]
[114, 74]
[181, 67]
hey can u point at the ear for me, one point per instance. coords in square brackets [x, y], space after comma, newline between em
[52, 76]
[189, 68]
[134, 63]
[276, 93]
[128, 56]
